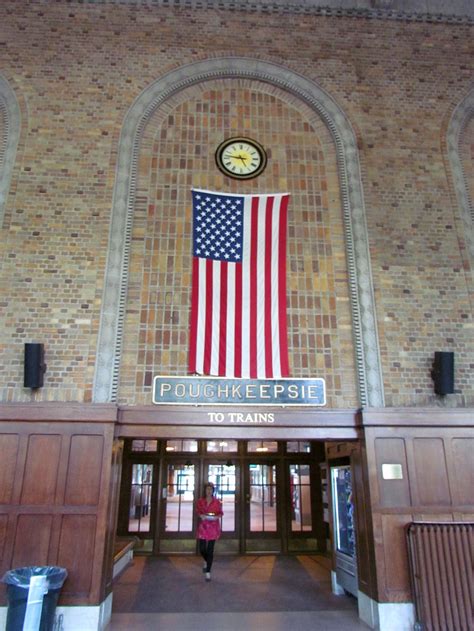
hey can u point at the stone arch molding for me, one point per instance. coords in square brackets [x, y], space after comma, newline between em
[462, 115]
[116, 275]
[10, 113]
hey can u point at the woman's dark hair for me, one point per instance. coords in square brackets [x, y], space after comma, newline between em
[211, 485]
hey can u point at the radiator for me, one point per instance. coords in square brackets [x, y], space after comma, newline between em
[441, 556]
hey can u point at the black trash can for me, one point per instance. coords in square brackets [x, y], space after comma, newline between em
[18, 583]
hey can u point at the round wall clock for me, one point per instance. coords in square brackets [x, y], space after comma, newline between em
[241, 158]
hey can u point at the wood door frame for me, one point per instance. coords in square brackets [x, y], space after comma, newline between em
[129, 460]
[164, 461]
[290, 541]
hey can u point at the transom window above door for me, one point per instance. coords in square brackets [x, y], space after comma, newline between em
[186, 446]
[221, 446]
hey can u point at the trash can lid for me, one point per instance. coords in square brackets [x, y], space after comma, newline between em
[20, 577]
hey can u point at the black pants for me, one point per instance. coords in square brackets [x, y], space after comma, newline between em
[206, 550]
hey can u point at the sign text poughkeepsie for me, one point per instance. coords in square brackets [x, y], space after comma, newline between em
[223, 391]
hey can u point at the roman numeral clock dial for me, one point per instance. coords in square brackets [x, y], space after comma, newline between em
[241, 158]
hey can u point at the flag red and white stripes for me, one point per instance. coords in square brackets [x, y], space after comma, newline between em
[238, 304]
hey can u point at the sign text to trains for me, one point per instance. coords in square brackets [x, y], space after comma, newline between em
[258, 418]
[222, 391]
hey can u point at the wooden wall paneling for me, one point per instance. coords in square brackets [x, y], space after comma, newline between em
[63, 467]
[439, 466]
[76, 554]
[392, 492]
[43, 529]
[104, 537]
[433, 516]
[364, 531]
[463, 463]
[84, 472]
[379, 552]
[316, 495]
[468, 517]
[8, 547]
[41, 469]
[375, 516]
[397, 574]
[54, 538]
[431, 471]
[411, 468]
[3, 536]
[32, 539]
[112, 511]
[9, 444]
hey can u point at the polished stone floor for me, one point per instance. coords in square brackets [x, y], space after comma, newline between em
[264, 593]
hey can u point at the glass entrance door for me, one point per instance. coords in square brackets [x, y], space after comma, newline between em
[267, 490]
[225, 477]
[262, 508]
[178, 495]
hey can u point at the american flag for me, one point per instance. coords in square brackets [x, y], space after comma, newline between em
[238, 303]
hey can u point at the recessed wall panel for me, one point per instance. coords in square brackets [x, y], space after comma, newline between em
[431, 472]
[463, 456]
[41, 469]
[392, 492]
[32, 539]
[84, 470]
[396, 565]
[3, 534]
[76, 552]
[8, 450]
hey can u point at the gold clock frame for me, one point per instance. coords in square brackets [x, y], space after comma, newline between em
[249, 141]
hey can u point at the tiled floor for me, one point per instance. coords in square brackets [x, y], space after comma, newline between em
[261, 621]
[264, 593]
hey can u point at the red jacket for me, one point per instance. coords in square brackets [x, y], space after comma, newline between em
[209, 528]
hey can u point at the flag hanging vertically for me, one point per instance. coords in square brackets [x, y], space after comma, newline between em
[238, 303]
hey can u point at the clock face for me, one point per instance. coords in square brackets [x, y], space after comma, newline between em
[241, 158]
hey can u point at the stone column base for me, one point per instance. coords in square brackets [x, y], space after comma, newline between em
[386, 616]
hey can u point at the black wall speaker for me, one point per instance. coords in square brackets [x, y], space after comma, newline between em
[34, 365]
[443, 372]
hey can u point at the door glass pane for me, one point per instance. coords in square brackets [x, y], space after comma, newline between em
[179, 498]
[300, 493]
[140, 498]
[262, 498]
[223, 478]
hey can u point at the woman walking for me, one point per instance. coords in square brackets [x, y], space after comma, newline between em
[209, 510]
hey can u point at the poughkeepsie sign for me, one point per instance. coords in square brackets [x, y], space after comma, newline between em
[223, 391]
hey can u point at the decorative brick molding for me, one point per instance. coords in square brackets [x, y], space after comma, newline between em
[116, 277]
[463, 113]
[431, 11]
[10, 117]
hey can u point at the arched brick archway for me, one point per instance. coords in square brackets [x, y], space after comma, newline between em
[116, 275]
[10, 130]
[462, 116]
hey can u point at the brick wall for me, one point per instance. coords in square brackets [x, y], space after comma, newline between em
[77, 68]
